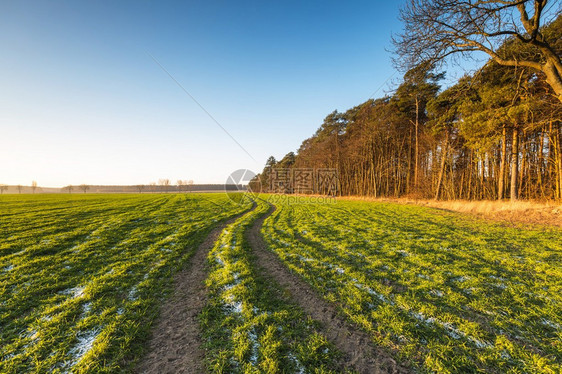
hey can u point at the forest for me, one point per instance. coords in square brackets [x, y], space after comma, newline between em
[493, 134]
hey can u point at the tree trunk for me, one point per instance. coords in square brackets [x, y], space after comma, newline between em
[540, 163]
[560, 160]
[522, 167]
[557, 137]
[501, 180]
[514, 163]
[417, 155]
[442, 168]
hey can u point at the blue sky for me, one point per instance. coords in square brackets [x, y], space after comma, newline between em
[82, 101]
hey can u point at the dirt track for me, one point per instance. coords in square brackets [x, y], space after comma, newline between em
[359, 353]
[175, 344]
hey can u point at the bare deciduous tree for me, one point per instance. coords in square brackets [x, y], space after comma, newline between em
[140, 187]
[180, 184]
[435, 29]
[3, 188]
[68, 188]
[165, 183]
[33, 186]
[19, 187]
[84, 187]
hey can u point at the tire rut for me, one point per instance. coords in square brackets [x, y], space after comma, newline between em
[175, 343]
[360, 354]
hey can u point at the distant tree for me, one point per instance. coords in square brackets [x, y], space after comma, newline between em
[436, 29]
[420, 85]
[165, 183]
[140, 187]
[443, 113]
[19, 187]
[180, 183]
[33, 186]
[3, 188]
[152, 186]
[84, 187]
[288, 161]
[68, 188]
[189, 184]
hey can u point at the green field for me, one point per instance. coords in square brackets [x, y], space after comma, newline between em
[249, 326]
[82, 277]
[447, 292]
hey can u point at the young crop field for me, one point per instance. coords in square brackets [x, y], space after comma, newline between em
[445, 292]
[81, 278]
[84, 279]
[250, 327]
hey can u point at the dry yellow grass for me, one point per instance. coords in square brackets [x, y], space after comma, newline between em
[544, 213]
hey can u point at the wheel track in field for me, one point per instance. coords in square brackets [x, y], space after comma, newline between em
[175, 342]
[360, 354]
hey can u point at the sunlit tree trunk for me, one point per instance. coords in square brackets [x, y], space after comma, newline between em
[514, 163]
[442, 167]
[501, 179]
[417, 149]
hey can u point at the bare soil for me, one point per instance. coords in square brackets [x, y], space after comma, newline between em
[360, 354]
[175, 343]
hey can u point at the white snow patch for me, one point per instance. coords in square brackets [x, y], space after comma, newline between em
[305, 259]
[85, 343]
[437, 293]
[549, 323]
[298, 365]
[501, 286]
[461, 279]
[450, 329]
[76, 292]
[87, 308]
[374, 293]
[32, 335]
[497, 278]
[255, 347]
[8, 268]
[133, 294]
[237, 306]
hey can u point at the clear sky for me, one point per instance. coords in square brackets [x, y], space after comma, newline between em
[82, 101]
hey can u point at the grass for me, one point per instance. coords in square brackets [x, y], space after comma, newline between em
[512, 212]
[448, 293]
[81, 277]
[250, 325]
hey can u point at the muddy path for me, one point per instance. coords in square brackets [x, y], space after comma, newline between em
[175, 343]
[360, 354]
